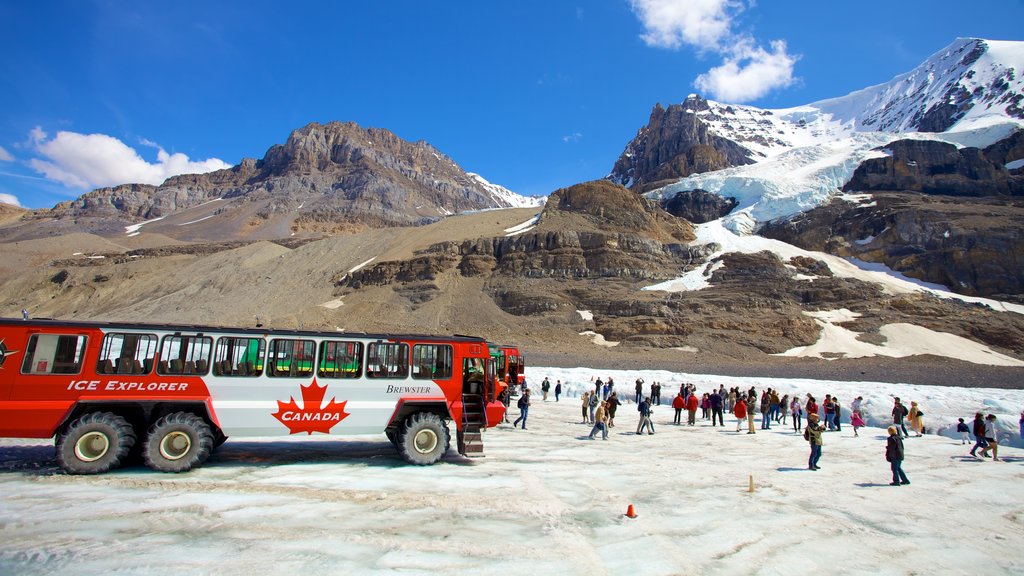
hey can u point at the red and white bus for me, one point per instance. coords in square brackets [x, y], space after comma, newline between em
[174, 393]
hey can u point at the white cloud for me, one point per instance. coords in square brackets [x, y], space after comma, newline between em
[9, 199]
[699, 23]
[5, 156]
[574, 137]
[747, 72]
[96, 160]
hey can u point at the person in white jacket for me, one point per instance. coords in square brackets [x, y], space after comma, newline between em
[991, 436]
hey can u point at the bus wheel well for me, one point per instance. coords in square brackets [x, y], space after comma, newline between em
[141, 415]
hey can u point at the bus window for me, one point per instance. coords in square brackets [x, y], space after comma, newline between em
[340, 359]
[126, 353]
[291, 358]
[238, 356]
[432, 361]
[54, 354]
[185, 355]
[387, 360]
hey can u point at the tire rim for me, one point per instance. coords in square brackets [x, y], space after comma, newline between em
[425, 441]
[175, 445]
[92, 446]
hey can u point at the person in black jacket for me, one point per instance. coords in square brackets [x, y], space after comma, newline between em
[979, 434]
[894, 455]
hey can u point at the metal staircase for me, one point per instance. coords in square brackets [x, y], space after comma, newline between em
[474, 420]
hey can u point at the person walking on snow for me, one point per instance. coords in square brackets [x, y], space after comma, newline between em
[645, 417]
[964, 430]
[524, 409]
[600, 421]
[595, 400]
[979, 434]
[678, 404]
[545, 386]
[613, 405]
[639, 389]
[586, 406]
[716, 408]
[740, 411]
[798, 412]
[991, 436]
[894, 455]
[916, 418]
[899, 411]
[691, 409]
[857, 422]
[558, 389]
[750, 404]
[813, 436]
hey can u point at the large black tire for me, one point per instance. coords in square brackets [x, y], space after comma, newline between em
[94, 443]
[423, 438]
[177, 442]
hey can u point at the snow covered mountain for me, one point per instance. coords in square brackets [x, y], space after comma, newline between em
[969, 94]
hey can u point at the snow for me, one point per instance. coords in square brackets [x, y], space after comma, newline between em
[523, 227]
[586, 315]
[1015, 164]
[901, 340]
[547, 500]
[504, 197]
[134, 229]
[891, 281]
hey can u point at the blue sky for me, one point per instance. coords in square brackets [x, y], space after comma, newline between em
[532, 95]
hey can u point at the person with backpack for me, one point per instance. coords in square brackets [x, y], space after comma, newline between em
[899, 412]
[979, 434]
[645, 417]
[524, 409]
[813, 436]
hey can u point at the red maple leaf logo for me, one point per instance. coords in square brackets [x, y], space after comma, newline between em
[313, 416]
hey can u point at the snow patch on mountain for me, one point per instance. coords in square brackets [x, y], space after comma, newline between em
[505, 197]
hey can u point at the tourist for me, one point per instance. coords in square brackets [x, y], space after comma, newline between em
[716, 408]
[899, 411]
[813, 436]
[586, 407]
[613, 405]
[798, 412]
[915, 416]
[645, 417]
[979, 434]
[740, 410]
[678, 404]
[524, 409]
[691, 409]
[600, 421]
[558, 389]
[964, 430]
[894, 455]
[750, 404]
[857, 422]
[992, 437]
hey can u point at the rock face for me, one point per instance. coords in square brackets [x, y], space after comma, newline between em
[974, 246]
[325, 172]
[940, 168]
[699, 206]
[675, 143]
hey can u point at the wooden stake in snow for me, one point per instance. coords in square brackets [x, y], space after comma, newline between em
[751, 488]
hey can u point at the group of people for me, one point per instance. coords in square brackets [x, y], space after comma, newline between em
[598, 409]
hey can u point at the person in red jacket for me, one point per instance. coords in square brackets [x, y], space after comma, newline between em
[740, 410]
[678, 403]
[691, 409]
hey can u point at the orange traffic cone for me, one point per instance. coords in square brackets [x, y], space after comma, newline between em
[630, 513]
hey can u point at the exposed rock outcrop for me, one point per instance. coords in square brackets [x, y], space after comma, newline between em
[932, 167]
[675, 143]
[337, 171]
